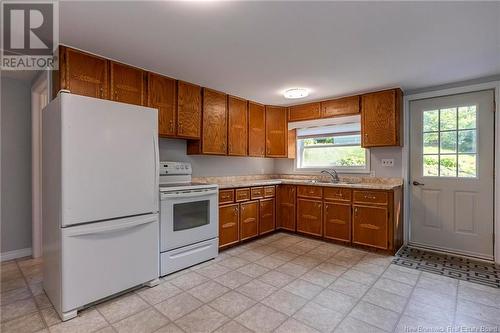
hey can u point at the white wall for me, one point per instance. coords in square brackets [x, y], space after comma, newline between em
[286, 166]
[15, 164]
[175, 150]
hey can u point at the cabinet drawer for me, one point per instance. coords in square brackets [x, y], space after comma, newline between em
[226, 196]
[242, 194]
[257, 192]
[269, 191]
[337, 194]
[379, 198]
[315, 192]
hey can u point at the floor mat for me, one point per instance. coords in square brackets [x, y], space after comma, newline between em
[448, 265]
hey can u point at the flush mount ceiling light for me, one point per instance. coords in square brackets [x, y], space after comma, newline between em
[296, 93]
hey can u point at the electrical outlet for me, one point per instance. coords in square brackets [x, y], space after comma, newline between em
[388, 162]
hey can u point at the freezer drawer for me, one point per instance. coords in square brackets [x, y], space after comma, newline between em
[175, 260]
[104, 258]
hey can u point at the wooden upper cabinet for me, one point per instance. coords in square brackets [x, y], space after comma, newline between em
[276, 131]
[188, 110]
[304, 112]
[127, 84]
[162, 96]
[214, 134]
[340, 107]
[380, 118]
[83, 74]
[256, 130]
[237, 126]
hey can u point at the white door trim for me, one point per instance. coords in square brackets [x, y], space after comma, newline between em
[406, 152]
[40, 93]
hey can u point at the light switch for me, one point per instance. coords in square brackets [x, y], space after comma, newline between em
[388, 162]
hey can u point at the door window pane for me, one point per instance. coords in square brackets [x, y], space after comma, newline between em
[448, 119]
[431, 143]
[431, 120]
[467, 141]
[191, 215]
[449, 142]
[467, 117]
[431, 165]
[448, 165]
[467, 166]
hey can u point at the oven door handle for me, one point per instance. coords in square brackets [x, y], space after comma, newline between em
[193, 194]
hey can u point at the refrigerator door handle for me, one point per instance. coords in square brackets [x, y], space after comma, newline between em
[157, 169]
[99, 230]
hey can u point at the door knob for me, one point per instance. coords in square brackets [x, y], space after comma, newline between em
[417, 183]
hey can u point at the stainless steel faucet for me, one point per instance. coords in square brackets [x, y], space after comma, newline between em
[333, 174]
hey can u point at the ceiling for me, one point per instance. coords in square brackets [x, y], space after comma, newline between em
[258, 49]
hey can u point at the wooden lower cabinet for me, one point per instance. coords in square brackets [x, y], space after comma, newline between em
[370, 226]
[369, 218]
[337, 221]
[285, 207]
[267, 221]
[249, 219]
[229, 217]
[309, 216]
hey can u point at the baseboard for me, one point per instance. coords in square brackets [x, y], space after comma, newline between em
[4, 256]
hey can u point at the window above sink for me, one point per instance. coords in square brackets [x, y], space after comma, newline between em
[335, 146]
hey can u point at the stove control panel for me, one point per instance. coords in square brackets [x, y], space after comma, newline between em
[175, 168]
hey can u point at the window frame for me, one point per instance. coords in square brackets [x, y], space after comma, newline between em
[341, 169]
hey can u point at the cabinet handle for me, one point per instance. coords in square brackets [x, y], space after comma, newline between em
[356, 211]
[116, 95]
[101, 90]
[370, 197]
[171, 126]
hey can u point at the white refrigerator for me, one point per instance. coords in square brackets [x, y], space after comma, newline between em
[99, 200]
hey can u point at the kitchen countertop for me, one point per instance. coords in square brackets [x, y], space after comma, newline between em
[368, 183]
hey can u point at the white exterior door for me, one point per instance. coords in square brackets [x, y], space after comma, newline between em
[109, 159]
[452, 164]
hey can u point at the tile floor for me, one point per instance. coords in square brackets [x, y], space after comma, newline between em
[281, 283]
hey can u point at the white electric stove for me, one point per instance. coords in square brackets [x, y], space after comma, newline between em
[189, 219]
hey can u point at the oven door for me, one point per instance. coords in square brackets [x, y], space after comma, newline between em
[188, 217]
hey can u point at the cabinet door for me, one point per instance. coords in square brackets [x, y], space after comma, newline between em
[304, 112]
[83, 74]
[370, 226]
[127, 84]
[340, 107]
[276, 132]
[337, 221]
[285, 217]
[380, 118]
[228, 224]
[214, 134]
[266, 221]
[256, 129]
[237, 126]
[309, 217]
[161, 96]
[188, 110]
[249, 219]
